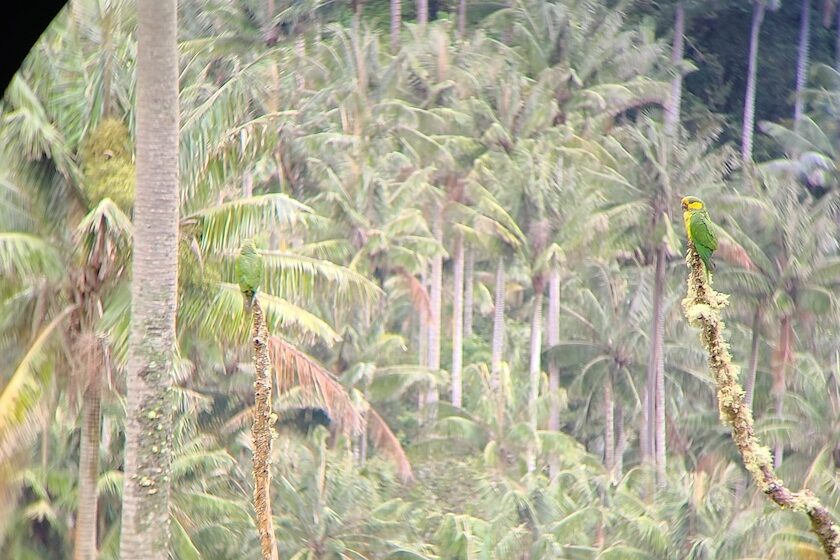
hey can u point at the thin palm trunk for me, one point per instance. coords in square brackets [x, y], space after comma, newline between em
[462, 19]
[261, 434]
[300, 56]
[396, 22]
[85, 544]
[752, 68]
[644, 423]
[458, 321]
[802, 61]
[749, 385]
[534, 370]
[469, 280]
[609, 428]
[658, 360]
[553, 340]
[672, 108]
[784, 356]
[148, 445]
[435, 318]
[621, 443]
[422, 13]
[498, 328]
[837, 43]
[423, 344]
[45, 439]
[273, 71]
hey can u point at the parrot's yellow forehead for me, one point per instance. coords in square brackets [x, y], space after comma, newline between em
[692, 203]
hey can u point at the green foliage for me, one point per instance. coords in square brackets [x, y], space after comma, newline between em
[108, 164]
[537, 137]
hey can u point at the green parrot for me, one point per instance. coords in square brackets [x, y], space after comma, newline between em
[698, 226]
[250, 269]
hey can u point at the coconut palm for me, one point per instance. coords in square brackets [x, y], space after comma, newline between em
[759, 8]
[601, 351]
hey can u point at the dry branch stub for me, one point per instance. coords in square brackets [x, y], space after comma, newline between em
[702, 307]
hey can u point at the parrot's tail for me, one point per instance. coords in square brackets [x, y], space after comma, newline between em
[248, 299]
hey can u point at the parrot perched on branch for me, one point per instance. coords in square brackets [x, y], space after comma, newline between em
[250, 269]
[698, 226]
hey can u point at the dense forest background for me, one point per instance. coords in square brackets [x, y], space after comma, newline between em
[469, 215]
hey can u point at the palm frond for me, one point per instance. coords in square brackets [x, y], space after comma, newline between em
[224, 227]
[108, 223]
[21, 394]
[25, 256]
[288, 275]
[224, 318]
[384, 440]
[293, 368]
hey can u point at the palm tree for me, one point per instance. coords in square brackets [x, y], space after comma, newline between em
[802, 60]
[396, 23]
[672, 108]
[759, 7]
[145, 525]
[604, 325]
[334, 509]
[99, 180]
[422, 13]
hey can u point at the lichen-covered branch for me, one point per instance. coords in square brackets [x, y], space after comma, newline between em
[702, 308]
[261, 432]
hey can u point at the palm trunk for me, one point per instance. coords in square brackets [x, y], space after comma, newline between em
[469, 280]
[837, 43]
[553, 340]
[621, 443]
[658, 361]
[396, 20]
[435, 319]
[422, 13]
[802, 61]
[534, 370]
[45, 439]
[300, 57]
[423, 344]
[148, 445]
[462, 19]
[784, 356]
[85, 545]
[609, 428]
[363, 441]
[458, 321]
[749, 101]
[261, 433]
[644, 424]
[107, 73]
[672, 108]
[498, 328]
[749, 386]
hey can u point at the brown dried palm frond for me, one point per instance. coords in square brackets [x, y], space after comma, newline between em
[307, 382]
[734, 253]
[418, 293]
[385, 441]
[294, 368]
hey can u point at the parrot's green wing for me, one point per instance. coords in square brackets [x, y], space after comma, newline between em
[250, 269]
[703, 237]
